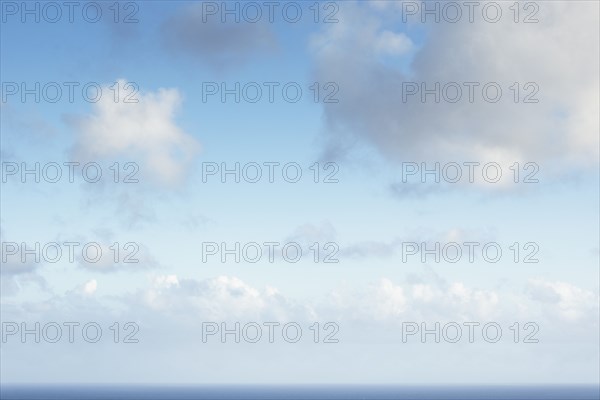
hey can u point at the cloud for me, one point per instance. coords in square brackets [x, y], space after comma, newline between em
[568, 301]
[12, 285]
[370, 249]
[393, 247]
[392, 43]
[88, 288]
[130, 256]
[16, 275]
[424, 298]
[169, 311]
[220, 298]
[306, 235]
[212, 42]
[13, 267]
[559, 131]
[143, 132]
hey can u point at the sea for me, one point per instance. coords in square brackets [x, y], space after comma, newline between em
[294, 392]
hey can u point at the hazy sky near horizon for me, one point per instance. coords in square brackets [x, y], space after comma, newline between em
[368, 167]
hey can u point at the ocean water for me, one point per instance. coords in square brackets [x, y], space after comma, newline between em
[320, 392]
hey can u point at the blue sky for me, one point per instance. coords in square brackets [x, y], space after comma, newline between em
[171, 133]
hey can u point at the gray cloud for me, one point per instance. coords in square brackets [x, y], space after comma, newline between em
[562, 128]
[219, 45]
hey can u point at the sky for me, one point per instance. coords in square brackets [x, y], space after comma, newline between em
[369, 174]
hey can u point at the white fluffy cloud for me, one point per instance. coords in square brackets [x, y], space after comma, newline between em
[220, 298]
[427, 299]
[144, 131]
